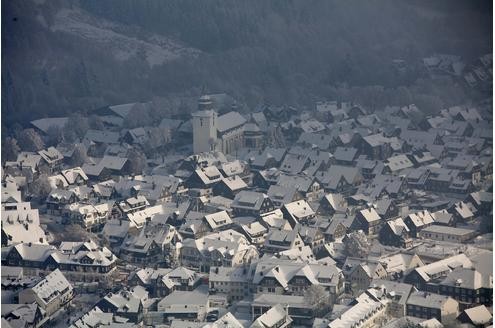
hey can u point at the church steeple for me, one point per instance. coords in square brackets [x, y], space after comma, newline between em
[205, 103]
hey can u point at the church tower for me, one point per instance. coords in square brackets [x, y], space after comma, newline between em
[204, 126]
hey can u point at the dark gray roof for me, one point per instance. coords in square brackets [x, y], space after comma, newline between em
[345, 154]
[229, 121]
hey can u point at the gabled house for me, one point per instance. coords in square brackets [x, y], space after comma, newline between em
[367, 220]
[417, 221]
[294, 163]
[204, 177]
[481, 200]
[308, 187]
[422, 276]
[52, 157]
[345, 156]
[428, 305]
[466, 285]
[276, 317]
[75, 176]
[311, 236]
[130, 205]
[251, 203]
[150, 246]
[386, 208]
[92, 217]
[265, 178]
[233, 282]
[255, 232]
[218, 221]
[298, 212]
[280, 240]
[107, 167]
[115, 231]
[28, 165]
[21, 224]
[235, 168]
[398, 163]
[161, 282]
[194, 228]
[375, 146]
[185, 305]
[51, 293]
[478, 316]
[417, 178]
[336, 229]
[321, 141]
[97, 317]
[268, 158]
[331, 204]
[340, 179]
[225, 248]
[368, 308]
[23, 315]
[229, 187]
[362, 274]
[125, 303]
[281, 195]
[279, 276]
[395, 233]
[443, 217]
[461, 212]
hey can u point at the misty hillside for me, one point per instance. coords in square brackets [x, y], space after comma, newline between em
[62, 56]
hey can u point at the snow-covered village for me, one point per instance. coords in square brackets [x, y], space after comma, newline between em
[369, 206]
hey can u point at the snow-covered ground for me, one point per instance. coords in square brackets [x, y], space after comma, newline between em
[155, 48]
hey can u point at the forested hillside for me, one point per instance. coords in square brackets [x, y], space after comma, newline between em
[61, 56]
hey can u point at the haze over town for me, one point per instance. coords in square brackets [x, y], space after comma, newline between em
[247, 164]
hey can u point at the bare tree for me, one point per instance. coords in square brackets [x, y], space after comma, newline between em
[77, 125]
[41, 187]
[356, 244]
[137, 161]
[157, 137]
[139, 115]
[79, 157]
[30, 140]
[10, 149]
[55, 135]
[319, 299]
[95, 122]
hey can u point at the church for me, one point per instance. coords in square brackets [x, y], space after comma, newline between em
[211, 132]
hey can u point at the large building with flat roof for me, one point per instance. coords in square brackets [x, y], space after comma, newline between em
[443, 233]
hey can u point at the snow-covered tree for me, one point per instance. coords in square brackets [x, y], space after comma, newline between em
[319, 299]
[356, 244]
[10, 149]
[40, 187]
[79, 157]
[30, 140]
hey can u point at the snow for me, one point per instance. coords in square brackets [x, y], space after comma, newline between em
[156, 49]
